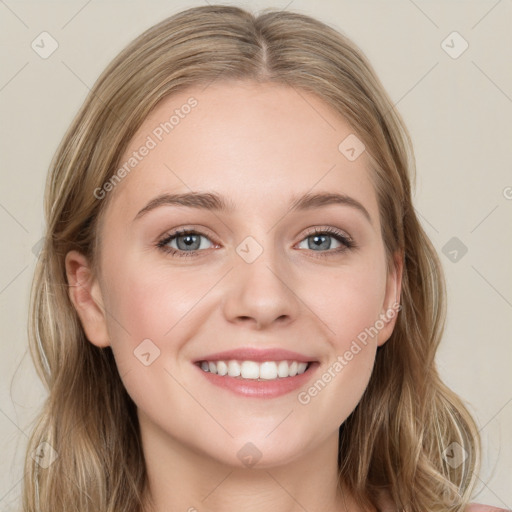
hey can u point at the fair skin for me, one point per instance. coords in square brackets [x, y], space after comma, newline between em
[258, 146]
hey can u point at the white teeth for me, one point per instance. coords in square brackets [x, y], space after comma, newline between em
[282, 369]
[233, 369]
[249, 370]
[268, 370]
[222, 368]
[301, 368]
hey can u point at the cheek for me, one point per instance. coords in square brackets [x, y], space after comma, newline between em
[348, 303]
[148, 302]
[343, 377]
[149, 310]
[347, 300]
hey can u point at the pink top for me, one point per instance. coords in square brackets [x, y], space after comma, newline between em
[477, 507]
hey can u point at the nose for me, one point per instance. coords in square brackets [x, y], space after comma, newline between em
[261, 293]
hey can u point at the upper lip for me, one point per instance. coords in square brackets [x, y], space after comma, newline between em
[258, 355]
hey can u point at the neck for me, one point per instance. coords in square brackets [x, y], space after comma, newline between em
[184, 479]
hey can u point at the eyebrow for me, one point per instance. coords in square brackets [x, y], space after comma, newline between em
[216, 202]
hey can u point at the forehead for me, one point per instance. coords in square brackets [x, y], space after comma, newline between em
[259, 144]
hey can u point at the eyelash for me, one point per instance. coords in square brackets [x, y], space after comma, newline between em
[338, 235]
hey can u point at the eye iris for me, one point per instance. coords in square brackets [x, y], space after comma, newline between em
[189, 241]
[323, 244]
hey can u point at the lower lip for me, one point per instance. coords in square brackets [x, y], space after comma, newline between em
[260, 388]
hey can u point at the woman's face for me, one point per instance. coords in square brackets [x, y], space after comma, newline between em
[255, 276]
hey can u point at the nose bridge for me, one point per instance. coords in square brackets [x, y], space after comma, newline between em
[259, 287]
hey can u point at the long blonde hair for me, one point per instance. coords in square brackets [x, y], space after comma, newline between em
[396, 439]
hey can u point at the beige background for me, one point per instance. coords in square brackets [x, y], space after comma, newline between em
[459, 113]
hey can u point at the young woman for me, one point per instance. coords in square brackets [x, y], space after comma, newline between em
[236, 307]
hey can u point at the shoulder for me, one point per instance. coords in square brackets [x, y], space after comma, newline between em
[478, 507]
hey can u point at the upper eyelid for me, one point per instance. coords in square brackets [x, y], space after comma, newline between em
[185, 231]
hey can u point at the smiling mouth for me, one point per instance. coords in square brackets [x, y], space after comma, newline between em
[256, 371]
